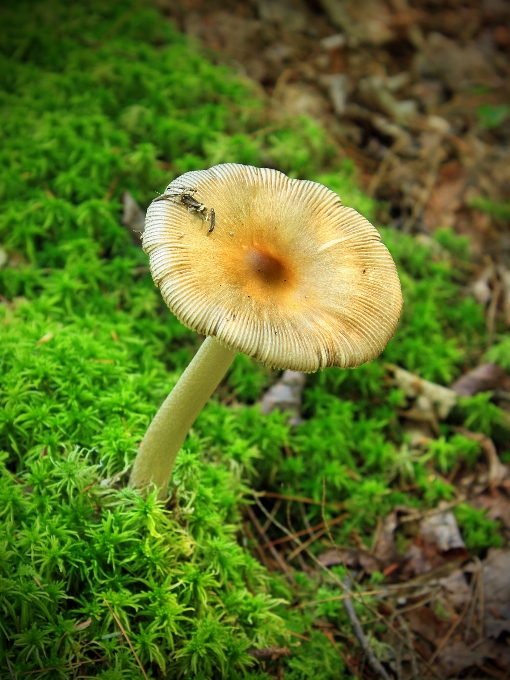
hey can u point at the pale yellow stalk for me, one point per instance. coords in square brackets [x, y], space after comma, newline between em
[166, 434]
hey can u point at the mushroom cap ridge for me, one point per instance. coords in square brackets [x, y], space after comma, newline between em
[289, 276]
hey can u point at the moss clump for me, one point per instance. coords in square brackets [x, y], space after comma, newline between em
[100, 98]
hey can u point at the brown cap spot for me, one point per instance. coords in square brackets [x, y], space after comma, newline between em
[289, 275]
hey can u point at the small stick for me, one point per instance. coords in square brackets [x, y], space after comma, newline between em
[358, 630]
[329, 635]
[127, 639]
[312, 539]
[14, 677]
[281, 563]
[55, 668]
[335, 598]
[308, 530]
[414, 662]
[448, 635]
[301, 499]
[262, 555]
[326, 525]
[269, 520]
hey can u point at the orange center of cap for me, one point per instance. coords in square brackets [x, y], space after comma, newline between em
[266, 266]
[260, 270]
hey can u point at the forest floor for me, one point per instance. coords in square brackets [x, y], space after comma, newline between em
[417, 94]
[367, 536]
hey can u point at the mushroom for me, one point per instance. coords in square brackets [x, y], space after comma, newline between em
[287, 275]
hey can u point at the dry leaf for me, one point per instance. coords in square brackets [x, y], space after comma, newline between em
[482, 379]
[352, 558]
[285, 395]
[456, 590]
[496, 586]
[482, 292]
[457, 656]
[133, 217]
[384, 543]
[442, 530]
[441, 398]
[424, 622]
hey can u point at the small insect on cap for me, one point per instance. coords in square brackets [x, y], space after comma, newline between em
[288, 275]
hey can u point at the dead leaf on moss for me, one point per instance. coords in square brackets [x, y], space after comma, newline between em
[446, 197]
[426, 623]
[352, 558]
[384, 548]
[482, 379]
[441, 399]
[133, 217]
[285, 395]
[499, 652]
[419, 559]
[442, 530]
[455, 589]
[458, 656]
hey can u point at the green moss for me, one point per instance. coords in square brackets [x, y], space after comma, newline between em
[498, 209]
[490, 116]
[500, 352]
[478, 532]
[100, 98]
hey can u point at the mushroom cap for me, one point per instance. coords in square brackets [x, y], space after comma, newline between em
[288, 275]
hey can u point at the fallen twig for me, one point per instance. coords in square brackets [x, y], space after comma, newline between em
[279, 559]
[358, 631]
[301, 499]
[127, 639]
[313, 538]
[414, 661]
[308, 530]
[10, 668]
[448, 635]
[329, 635]
[269, 520]
[55, 668]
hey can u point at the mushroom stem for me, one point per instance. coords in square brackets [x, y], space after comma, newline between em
[167, 432]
